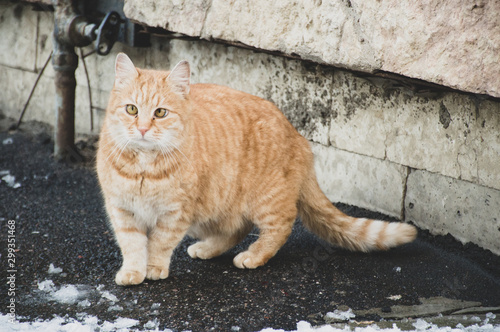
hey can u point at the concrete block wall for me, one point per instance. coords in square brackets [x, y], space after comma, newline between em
[431, 157]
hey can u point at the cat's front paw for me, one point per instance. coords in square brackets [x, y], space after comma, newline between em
[155, 272]
[247, 260]
[129, 277]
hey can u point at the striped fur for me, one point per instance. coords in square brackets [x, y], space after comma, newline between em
[220, 162]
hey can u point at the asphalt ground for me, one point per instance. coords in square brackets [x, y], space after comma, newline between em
[60, 219]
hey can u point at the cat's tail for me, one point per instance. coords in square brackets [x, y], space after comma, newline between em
[358, 234]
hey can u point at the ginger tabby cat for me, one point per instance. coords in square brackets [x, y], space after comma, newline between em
[211, 162]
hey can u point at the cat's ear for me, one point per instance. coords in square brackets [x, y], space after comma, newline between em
[124, 70]
[179, 78]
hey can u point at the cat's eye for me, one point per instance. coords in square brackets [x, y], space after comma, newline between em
[161, 113]
[131, 109]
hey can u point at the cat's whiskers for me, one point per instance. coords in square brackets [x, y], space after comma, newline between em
[121, 151]
[175, 147]
[119, 143]
[167, 151]
[169, 159]
[116, 148]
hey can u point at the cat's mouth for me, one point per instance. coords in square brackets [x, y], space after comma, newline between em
[143, 142]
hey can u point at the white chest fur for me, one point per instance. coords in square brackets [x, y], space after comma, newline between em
[148, 199]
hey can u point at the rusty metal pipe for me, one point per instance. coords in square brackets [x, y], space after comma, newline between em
[70, 30]
[65, 82]
[65, 62]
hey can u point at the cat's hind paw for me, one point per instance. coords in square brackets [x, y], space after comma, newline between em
[247, 260]
[155, 272]
[202, 250]
[129, 277]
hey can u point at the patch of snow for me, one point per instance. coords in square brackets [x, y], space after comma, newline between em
[107, 295]
[340, 315]
[84, 304]
[10, 179]
[54, 270]
[394, 297]
[397, 269]
[491, 315]
[91, 320]
[152, 324]
[85, 324]
[119, 324]
[67, 294]
[8, 141]
[47, 286]
[115, 308]
[421, 324]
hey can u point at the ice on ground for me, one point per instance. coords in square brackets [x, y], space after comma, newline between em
[9, 179]
[68, 294]
[489, 316]
[115, 308]
[54, 270]
[394, 297]
[421, 324]
[107, 295]
[154, 325]
[84, 304]
[47, 286]
[340, 315]
[8, 141]
[119, 324]
[87, 323]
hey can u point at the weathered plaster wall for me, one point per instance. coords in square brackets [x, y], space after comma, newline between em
[430, 157]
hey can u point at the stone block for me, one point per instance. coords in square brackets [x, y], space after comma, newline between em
[187, 17]
[371, 183]
[18, 26]
[429, 134]
[444, 205]
[487, 149]
[416, 39]
[448, 133]
[449, 42]
[315, 30]
[359, 116]
[44, 39]
[15, 87]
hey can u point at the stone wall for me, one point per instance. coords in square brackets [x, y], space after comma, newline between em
[451, 42]
[427, 156]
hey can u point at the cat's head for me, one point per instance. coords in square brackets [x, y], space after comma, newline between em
[148, 109]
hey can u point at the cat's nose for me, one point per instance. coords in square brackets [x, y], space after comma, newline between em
[143, 130]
